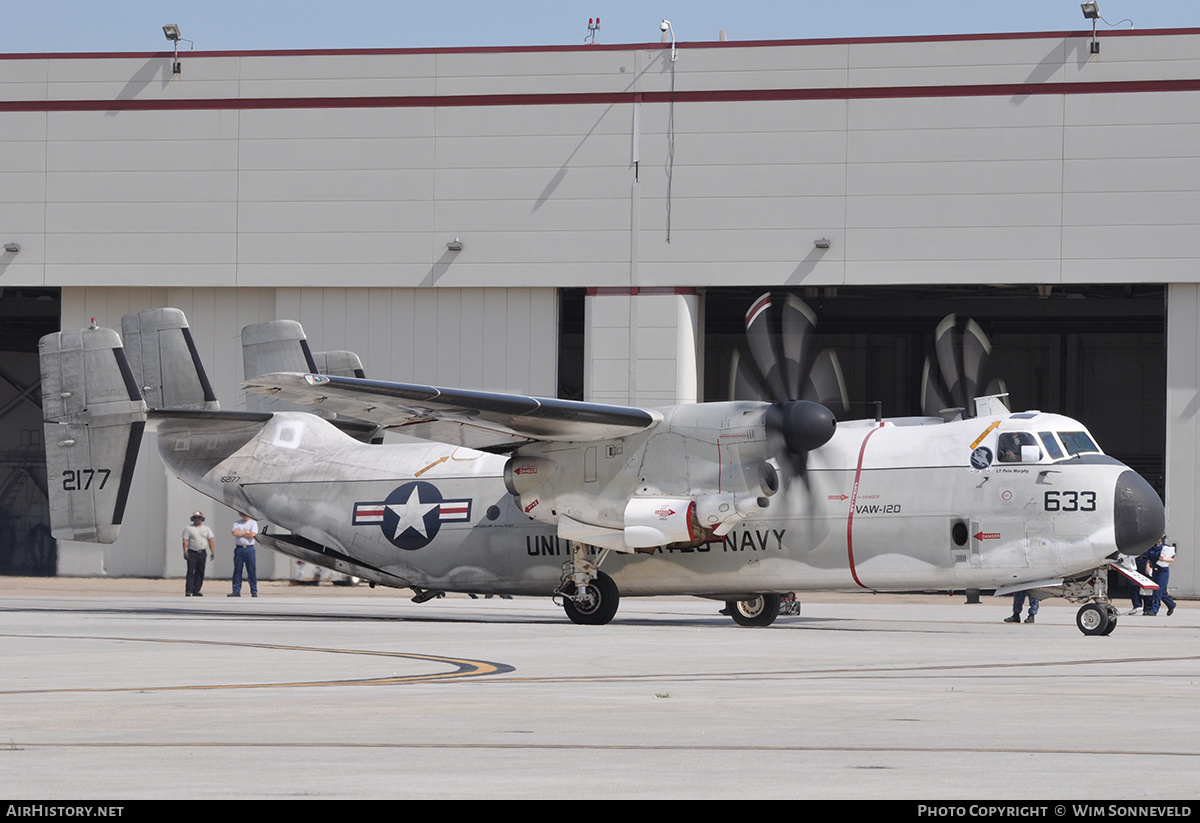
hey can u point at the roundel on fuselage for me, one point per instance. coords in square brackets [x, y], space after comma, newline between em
[412, 515]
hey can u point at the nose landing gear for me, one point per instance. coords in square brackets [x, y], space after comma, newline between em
[1097, 618]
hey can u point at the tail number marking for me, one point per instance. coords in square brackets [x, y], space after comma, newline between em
[81, 480]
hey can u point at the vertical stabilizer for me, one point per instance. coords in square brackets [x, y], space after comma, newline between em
[164, 361]
[339, 363]
[276, 346]
[94, 417]
[280, 346]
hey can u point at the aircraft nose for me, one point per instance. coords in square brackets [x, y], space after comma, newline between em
[1138, 515]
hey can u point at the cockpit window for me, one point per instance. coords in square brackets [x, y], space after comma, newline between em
[1018, 447]
[1078, 442]
[1051, 445]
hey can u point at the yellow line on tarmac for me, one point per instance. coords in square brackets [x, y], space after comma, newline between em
[462, 668]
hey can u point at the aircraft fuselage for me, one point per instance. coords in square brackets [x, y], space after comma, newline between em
[881, 507]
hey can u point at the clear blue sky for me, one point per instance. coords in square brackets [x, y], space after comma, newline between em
[217, 25]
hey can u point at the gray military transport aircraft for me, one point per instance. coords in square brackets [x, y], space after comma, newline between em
[737, 501]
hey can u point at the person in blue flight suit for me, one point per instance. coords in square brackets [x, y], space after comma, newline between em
[1159, 559]
[1019, 603]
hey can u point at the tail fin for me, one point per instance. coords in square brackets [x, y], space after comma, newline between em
[94, 417]
[164, 361]
[339, 363]
[276, 346]
[280, 346]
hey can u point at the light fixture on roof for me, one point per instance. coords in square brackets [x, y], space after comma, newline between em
[665, 28]
[171, 32]
[1091, 11]
[593, 27]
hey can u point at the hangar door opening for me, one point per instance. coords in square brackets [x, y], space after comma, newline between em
[1094, 353]
[26, 547]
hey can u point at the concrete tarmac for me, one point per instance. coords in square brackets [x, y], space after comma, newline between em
[124, 689]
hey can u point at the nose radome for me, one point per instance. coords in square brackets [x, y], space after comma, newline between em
[1138, 516]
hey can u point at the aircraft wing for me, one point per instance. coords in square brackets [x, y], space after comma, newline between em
[476, 419]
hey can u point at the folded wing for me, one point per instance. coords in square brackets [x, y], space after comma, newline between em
[489, 421]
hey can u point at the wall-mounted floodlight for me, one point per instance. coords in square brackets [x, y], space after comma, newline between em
[665, 28]
[12, 247]
[455, 245]
[171, 31]
[823, 243]
[1091, 11]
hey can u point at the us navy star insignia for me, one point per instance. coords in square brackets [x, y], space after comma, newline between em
[411, 513]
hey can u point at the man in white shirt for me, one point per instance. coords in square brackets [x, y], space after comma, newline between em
[244, 532]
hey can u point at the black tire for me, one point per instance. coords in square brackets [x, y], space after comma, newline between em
[600, 608]
[756, 612]
[1092, 619]
[1113, 614]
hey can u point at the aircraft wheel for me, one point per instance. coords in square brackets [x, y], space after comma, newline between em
[756, 612]
[1113, 614]
[598, 608]
[1092, 619]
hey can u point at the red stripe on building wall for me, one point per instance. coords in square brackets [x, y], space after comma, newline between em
[608, 98]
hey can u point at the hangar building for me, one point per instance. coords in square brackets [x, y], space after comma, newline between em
[594, 222]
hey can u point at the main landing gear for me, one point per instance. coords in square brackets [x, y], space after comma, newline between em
[590, 597]
[596, 605]
[1098, 617]
[756, 612]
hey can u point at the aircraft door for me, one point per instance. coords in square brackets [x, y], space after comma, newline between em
[997, 543]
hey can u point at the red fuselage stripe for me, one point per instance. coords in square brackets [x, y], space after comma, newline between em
[853, 497]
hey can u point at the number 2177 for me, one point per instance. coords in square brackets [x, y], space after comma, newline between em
[83, 479]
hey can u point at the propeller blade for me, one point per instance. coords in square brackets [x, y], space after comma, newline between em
[933, 399]
[762, 349]
[976, 349]
[948, 358]
[744, 382]
[826, 384]
[797, 323]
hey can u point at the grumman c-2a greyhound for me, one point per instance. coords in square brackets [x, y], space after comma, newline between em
[735, 501]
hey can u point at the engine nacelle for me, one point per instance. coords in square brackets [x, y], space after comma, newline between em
[524, 474]
[721, 512]
[659, 521]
